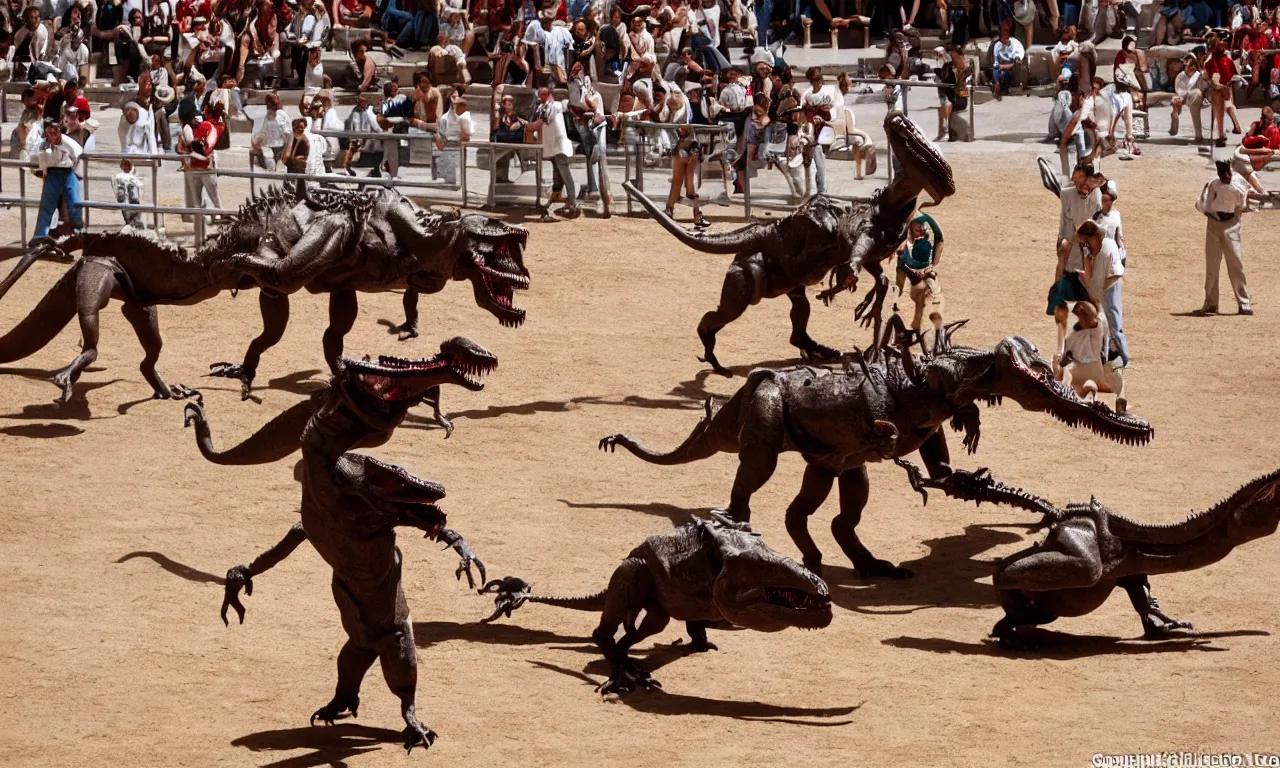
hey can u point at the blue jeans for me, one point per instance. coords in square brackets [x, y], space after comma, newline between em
[59, 184]
[1114, 307]
[764, 9]
[1002, 77]
[1070, 14]
[395, 20]
[421, 32]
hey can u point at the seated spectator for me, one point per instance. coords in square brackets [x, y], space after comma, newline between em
[260, 41]
[427, 105]
[1188, 91]
[361, 75]
[447, 63]
[413, 24]
[352, 13]
[1006, 53]
[553, 41]
[272, 134]
[864, 149]
[313, 71]
[456, 31]
[72, 60]
[1083, 365]
[1066, 55]
[31, 43]
[455, 126]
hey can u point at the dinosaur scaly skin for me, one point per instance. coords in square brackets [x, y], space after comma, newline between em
[1091, 550]
[840, 421]
[823, 237]
[703, 573]
[329, 242]
[351, 504]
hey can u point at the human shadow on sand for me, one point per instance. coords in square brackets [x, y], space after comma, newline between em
[429, 633]
[329, 745]
[1064, 646]
[677, 515]
[77, 409]
[945, 577]
[661, 702]
[42, 431]
[174, 567]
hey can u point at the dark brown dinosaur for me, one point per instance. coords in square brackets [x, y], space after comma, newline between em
[823, 237]
[351, 504]
[705, 573]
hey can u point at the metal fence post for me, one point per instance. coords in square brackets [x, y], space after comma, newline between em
[906, 91]
[640, 159]
[888, 144]
[746, 189]
[626, 166]
[155, 193]
[537, 195]
[84, 190]
[199, 220]
[22, 192]
[462, 164]
[493, 178]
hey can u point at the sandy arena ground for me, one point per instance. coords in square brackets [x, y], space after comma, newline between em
[117, 533]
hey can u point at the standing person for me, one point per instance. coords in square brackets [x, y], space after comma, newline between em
[297, 152]
[361, 120]
[1108, 219]
[1188, 91]
[198, 148]
[587, 107]
[137, 134]
[454, 126]
[57, 157]
[1080, 202]
[918, 264]
[686, 157]
[128, 189]
[954, 72]
[272, 134]
[1104, 275]
[818, 103]
[1222, 201]
[1220, 71]
[556, 148]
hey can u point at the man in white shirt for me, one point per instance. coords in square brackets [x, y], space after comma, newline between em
[819, 101]
[1083, 361]
[1080, 202]
[454, 126]
[57, 157]
[31, 43]
[557, 148]
[1006, 53]
[1188, 91]
[1104, 273]
[1222, 201]
[587, 107]
[555, 41]
[273, 134]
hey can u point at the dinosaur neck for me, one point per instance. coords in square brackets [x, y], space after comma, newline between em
[425, 246]
[341, 424]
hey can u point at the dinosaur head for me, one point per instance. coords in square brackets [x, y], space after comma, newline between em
[923, 165]
[1020, 373]
[398, 382]
[490, 253]
[392, 494]
[760, 589]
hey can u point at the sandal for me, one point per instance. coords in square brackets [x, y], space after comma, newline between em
[700, 222]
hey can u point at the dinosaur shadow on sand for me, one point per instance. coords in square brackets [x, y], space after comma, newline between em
[42, 431]
[331, 745]
[174, 567]
[1065, 646]
[945, 577]
[413, 421]
[677, 515]
[75, 409]
[660, 702]
[429, 633]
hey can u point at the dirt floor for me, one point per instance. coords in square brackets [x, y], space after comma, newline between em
[117, 533]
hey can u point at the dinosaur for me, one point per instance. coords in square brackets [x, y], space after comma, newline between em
[704, 573]
[399, 244]
[822, 237]
[836, 421]
[351, 504]
[1091, 550]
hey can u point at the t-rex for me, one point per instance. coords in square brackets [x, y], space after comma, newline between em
[835, 421]
[353, 241]
[703, 573]
[1091, 550]
[822, 237]
[351, 504]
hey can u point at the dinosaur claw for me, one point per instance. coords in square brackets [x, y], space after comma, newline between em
[237, 578]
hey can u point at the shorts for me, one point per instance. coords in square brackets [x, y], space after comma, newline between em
[945, 99]
[1069, 288]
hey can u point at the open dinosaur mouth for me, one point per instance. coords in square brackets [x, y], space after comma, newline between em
[501, 275]
[392, 378]
[914, 150]
[415, 489]
[1067, 407]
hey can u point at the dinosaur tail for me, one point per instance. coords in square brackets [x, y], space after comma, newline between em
[274, 441]
[700, 444]
[593, 603]
[50, 316]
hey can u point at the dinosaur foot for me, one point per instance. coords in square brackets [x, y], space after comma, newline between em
[174, 392]
[716, 367]
[1017, 641]
[695, 646]
[626, 677]
[609, 443]
[64, 382]
[334, 709]
[416, 734]
[405, 331]
[1163, 630]
[235, 371]
[882, 569]
[814, 352]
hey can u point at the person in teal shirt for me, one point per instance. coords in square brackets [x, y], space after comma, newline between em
[917, 263]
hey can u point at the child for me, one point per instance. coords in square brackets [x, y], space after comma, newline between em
[128, 189]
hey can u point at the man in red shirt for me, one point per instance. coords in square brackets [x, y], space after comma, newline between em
[1220, 71]
[197, 147]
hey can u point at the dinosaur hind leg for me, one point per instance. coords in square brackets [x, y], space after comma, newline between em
[93, 292]
[854, 490]
[275, 318]
[735, 296]
[1155, 623]
[800, 338]
[630, 591]
[814, 490]
[409, 329]
[1020, 613]
[343, 309]
[353, 662]
[146, 324]
[399, 660]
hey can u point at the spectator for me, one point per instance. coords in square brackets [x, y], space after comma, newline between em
[72, 59]
[553, 40]
[137, 134]
[411, 23]
[1188, 91]
[508, 128]
[29, 126]
[128, 189]
[1222, 201]
[361, 120]
[260, 41]
[57, 157]
[426, 103]
[918, 265]
[393, 112]
[1083, 356]
[77, 124]
[457, 31]
[362, 73]
[954, 72]
[297, 153]
[447, 62]
[1066, 55]
[310, 25]
[1104, 274]
[162, 106]
[1220, 71]
[31, 43]
[313, 71]
[199, 149]
[56, 104]
[160, 74]
[1006, 53]
[455, 126]
[1122, 106]
[1108, 219]
[325, 118]
[686, 157]
[587, 108]
[549, 124]
[352, 13]
[511, 67]
[272, 134]
[1080, 202]
[586, 49]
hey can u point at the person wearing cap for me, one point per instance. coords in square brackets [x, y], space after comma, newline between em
[56, 104]
[1222, 201]
[57, 157]
[193, 100]
[1188, 91]
[162, 106]
[76, 124]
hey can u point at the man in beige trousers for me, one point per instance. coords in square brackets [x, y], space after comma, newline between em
[1222, 201]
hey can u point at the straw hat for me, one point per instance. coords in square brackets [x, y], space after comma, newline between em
[163, 95]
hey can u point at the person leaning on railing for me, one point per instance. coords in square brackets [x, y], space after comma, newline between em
[455, 126]
[506, 127]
